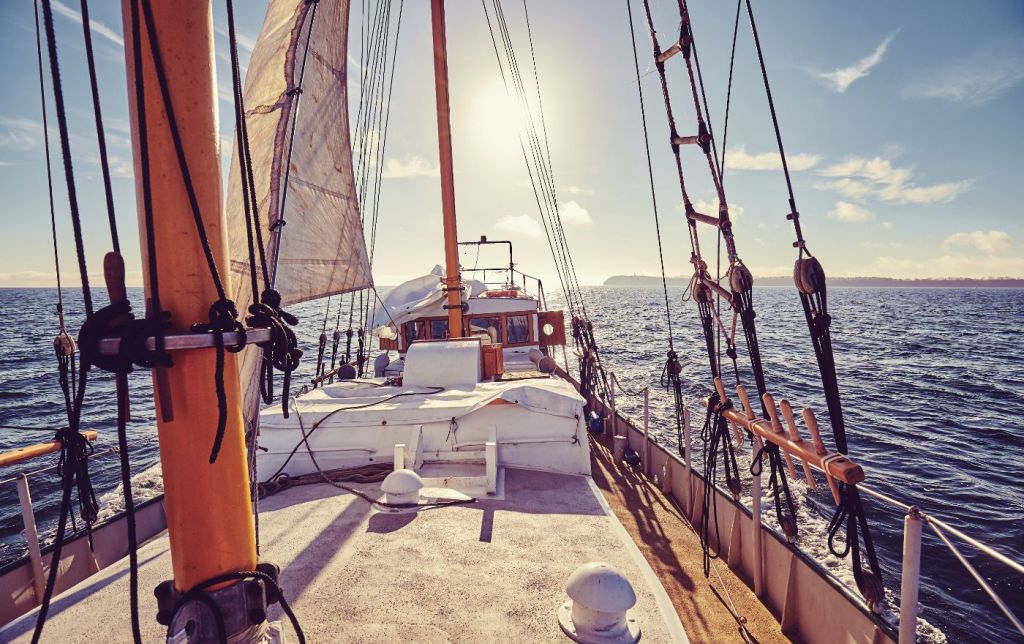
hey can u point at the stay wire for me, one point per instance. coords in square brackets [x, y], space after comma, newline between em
[650, 172]
[101, 138]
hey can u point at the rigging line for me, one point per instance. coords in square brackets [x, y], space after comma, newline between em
[728, 92]
[278, 224]
[548, 168]
[186, 175]
[364, 73]
[384, 136]
[101, 138]
[65, 148]
[49, 170]
[529, 169]
[241, 144]
[541, 169]
[370, 97]
[775, 123]
[544, 130]
[650, 171]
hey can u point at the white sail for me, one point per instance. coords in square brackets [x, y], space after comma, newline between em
[305, 178]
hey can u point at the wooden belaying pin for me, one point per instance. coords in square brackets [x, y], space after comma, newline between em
[741, 392]
[794, 435]
[773, 416]
[812, 426]
[722, 399]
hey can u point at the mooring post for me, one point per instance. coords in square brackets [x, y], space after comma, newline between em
[911, 580]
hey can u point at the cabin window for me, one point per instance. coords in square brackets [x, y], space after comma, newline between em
[438, 329]
[413, 331]
[490, 325]
[517, 329]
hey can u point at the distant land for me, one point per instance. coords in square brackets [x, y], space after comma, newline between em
[946, 282]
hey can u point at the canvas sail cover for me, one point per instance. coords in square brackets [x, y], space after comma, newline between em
[304, 182]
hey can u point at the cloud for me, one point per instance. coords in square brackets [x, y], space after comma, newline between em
[991, 242]
[706, 207]
[841, 79]
[950, 265]
[576, 190]
[409, 166]
[846, 211]
[97, 27]
[19, 134]
[248, 43]
[738, 159]
[574, 214]
[520, 224]
[976, 78]
[859, 178]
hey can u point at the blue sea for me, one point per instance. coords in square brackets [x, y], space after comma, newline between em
[932, 382]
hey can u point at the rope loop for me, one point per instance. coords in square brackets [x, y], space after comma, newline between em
[281, 352]
[73, 465]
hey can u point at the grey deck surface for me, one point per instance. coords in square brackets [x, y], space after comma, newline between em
[493, 571]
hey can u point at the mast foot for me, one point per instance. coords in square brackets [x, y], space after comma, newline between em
[240, 609]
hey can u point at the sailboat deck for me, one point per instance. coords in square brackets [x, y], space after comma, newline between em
[494, 570]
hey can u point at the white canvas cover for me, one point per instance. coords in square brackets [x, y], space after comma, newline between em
[416, 298]
[320, 251]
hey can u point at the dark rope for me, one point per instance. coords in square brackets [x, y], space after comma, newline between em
[715, 436]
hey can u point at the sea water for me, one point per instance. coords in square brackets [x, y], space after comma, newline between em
[932, 383]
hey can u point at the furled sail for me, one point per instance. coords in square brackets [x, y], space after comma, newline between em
[296, 100]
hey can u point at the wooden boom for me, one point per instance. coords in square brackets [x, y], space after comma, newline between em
[26, 453]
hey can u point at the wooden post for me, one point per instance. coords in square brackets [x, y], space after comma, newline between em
[452, 280]
[209, 519]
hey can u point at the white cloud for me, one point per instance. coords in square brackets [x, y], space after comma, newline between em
[858, 178]
[98, 28]
[992, 241]
[738, 159]
[706, 207]
[244, 42]
[841, 79]
[846, 211]
[976, 78]
[19, 134]
[972, 266]
[409, 166]
[576, 190]
[574, 214]
[520, 224]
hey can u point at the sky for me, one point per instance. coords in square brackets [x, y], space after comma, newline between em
[901, 121]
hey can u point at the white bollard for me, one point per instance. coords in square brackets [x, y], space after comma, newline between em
[910, 583]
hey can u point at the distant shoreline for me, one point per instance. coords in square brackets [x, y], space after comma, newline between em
[885, 282]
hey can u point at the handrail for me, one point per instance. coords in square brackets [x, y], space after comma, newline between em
[13, 479]
[39, 449]
[940, 527]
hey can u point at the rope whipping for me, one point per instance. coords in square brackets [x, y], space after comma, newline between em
[809, 277]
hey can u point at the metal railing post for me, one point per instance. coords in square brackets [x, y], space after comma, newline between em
[911, 580]
[755, 523]
[615, 415]
[686, 459]
[31, 536]
[647, 424]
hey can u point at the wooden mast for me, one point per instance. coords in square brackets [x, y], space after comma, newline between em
[453, 280]
[209, 520]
